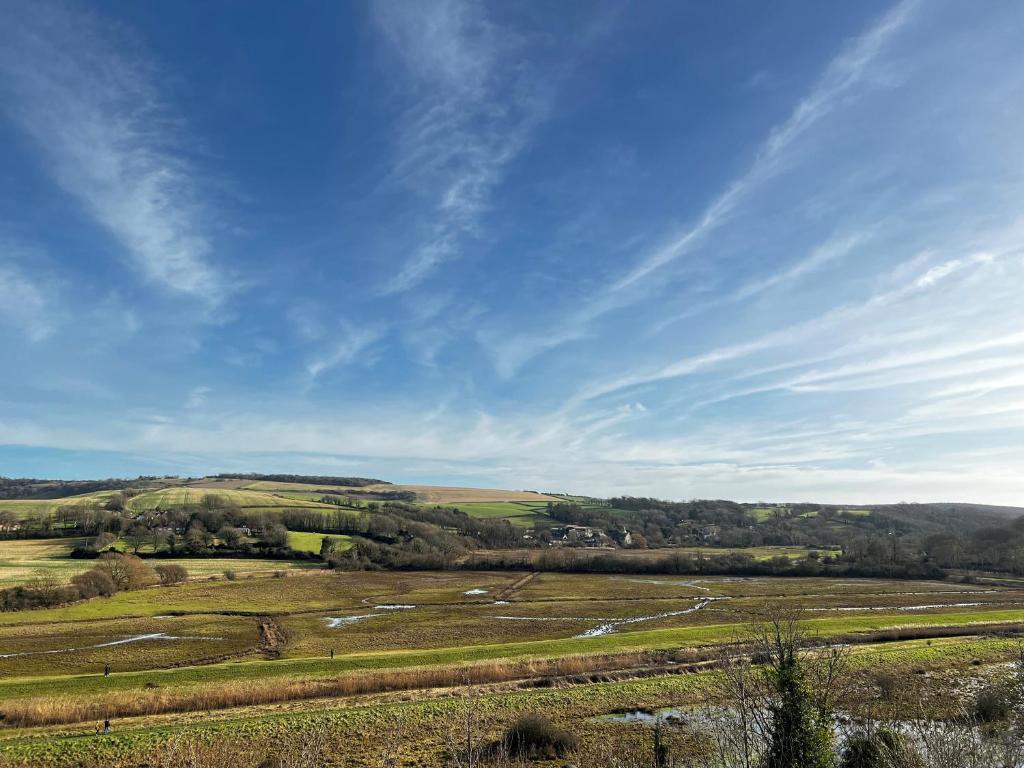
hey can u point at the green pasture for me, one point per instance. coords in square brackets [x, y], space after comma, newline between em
[765, 513]
[310, 542]
[170, 497]
[519, 513]
[166, 498]
[23, 560]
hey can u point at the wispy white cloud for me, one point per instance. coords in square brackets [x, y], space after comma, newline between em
[26, 303]
[552, 453]
[347, 346]
[197, 397]
[794, 334]
[509, 352]
[825, 254]
[87, 95]
[848, 75]
[477, 103]
[848, 71]
[832, 250]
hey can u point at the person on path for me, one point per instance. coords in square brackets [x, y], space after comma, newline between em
[106, 670]
[332, 653]
[106, 726]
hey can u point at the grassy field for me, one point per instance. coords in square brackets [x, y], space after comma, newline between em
[272, 496]
[472, 615]
[311, 542]
[22, 560]
[520, 513]
[431, 494]
[166, 498]
[175, 496]
[261, 656]
[26, 507]
[357, 724]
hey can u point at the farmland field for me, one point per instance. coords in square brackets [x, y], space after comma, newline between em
[262, 655]
[522, 513]
[22, 560]
[265, 639]
[165, 498]
[310, 542]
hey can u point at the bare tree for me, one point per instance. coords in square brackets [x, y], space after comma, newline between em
[777, 697]
[392, 741]
[464, 744]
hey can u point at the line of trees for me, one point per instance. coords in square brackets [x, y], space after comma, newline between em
[303, 479]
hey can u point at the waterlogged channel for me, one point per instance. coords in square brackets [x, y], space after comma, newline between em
[162, 636]
[606, 626]
[333, 622]
[613, 624]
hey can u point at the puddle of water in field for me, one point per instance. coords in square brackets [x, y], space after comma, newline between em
[476, 591]
[664, 582]
[333, 622]
[134, 639]
[902, 607]
[394, 607]
[501, 602]
[610, 626]
[546, 618]
[644, 716]
[930, 593]
[607, 625]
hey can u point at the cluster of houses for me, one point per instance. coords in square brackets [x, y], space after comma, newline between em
[589, 536]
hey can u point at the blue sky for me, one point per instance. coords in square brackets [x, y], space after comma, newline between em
[741, 250]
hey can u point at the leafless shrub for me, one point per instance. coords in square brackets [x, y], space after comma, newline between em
[738, 723]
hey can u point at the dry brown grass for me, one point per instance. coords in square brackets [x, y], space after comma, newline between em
[56, 710]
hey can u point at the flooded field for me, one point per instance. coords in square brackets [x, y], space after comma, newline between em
[315, 640]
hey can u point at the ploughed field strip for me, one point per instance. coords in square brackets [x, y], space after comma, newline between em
[262, 647]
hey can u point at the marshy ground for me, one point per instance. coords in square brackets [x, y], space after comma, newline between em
[253, 655]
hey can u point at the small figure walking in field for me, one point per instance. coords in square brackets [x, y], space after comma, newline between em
[97, 729]
[332, 654]
[106, 726]
[106, 670]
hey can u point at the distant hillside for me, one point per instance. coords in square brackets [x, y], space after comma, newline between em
[956, 508]
[34, 488]
[352, 482]
[418, 526]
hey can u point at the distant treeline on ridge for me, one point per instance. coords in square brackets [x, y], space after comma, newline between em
[354, 482]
